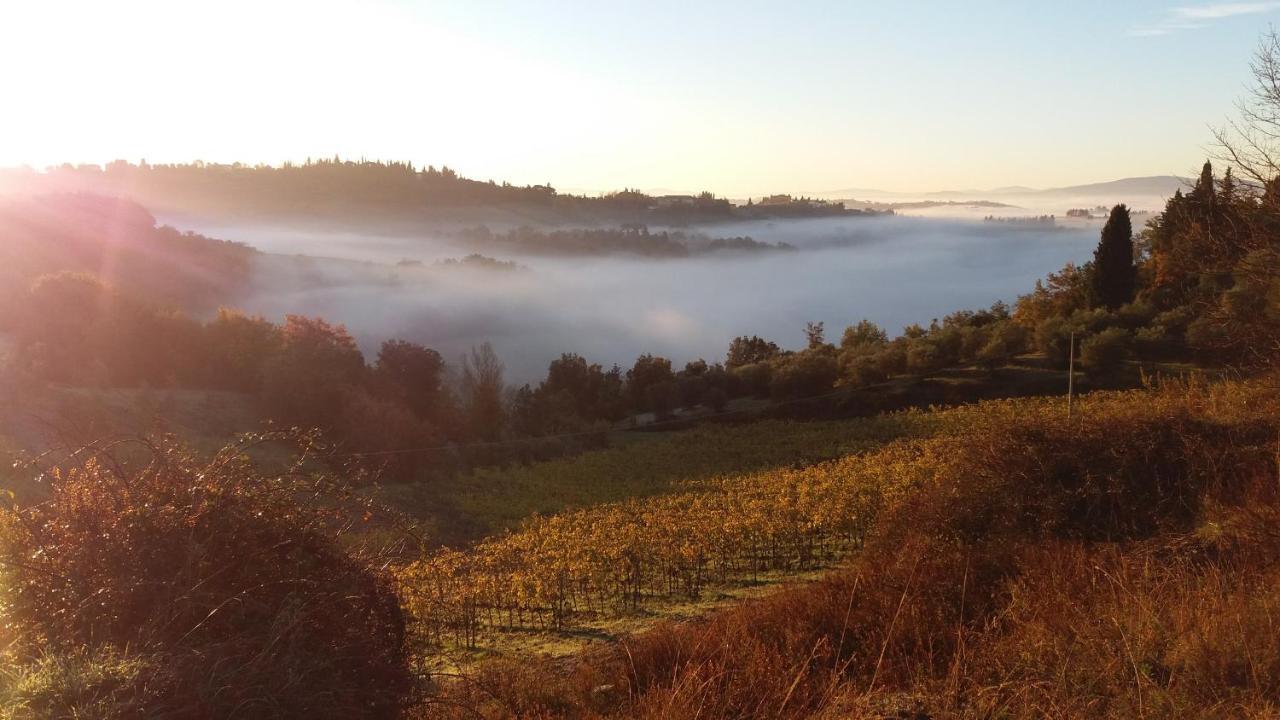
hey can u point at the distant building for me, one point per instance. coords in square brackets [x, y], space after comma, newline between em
[669, 201]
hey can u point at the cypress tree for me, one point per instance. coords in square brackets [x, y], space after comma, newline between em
[1114, 274]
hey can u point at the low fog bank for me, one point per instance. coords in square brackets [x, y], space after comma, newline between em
[892, 270]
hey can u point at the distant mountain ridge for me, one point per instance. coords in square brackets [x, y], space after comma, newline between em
[1151, 185]
[1164, 185]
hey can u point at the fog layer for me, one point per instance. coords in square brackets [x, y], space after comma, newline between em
[891, 270]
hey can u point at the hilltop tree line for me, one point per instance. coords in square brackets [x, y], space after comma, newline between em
[338, 189]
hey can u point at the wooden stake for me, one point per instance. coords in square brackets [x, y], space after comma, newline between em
[1071, 372]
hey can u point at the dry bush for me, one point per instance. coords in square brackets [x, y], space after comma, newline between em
[1124, 633]
[1128, 465]
[224, 592]
[891, 619]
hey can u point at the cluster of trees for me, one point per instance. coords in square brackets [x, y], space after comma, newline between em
[1028, 220]
[786, 206]
[866, 355]
[1199, 282]
[630, 239]
[577, 393]
[307, 372]
[304, 372]
[476, 261]
[673, 209]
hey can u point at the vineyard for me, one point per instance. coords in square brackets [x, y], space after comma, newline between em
[640, 465]
[616, 558]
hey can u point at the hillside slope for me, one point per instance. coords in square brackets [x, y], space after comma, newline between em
[1120, 563]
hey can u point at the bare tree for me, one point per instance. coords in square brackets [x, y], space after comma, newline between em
[482, 390]
[1251, 141]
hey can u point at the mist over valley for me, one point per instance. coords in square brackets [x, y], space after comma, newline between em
[893, 270]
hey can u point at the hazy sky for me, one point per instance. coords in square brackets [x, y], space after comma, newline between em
[737, 97]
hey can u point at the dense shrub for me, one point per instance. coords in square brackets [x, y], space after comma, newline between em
[864, 338]
[893, 359]
[1105, 352]
[1135, 314]
[223, 593]
[922, 356]
[1053, 336]
[1005, 340]
[753, 379]
[804, 374]
[861, 370]
[1208, 337]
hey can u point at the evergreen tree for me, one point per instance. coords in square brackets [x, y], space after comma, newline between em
[1114, 275]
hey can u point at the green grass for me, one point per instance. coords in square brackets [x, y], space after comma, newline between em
[491, 500]
[55, 418]
[75, 686]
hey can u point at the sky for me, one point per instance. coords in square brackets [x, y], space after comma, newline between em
[741, 98]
